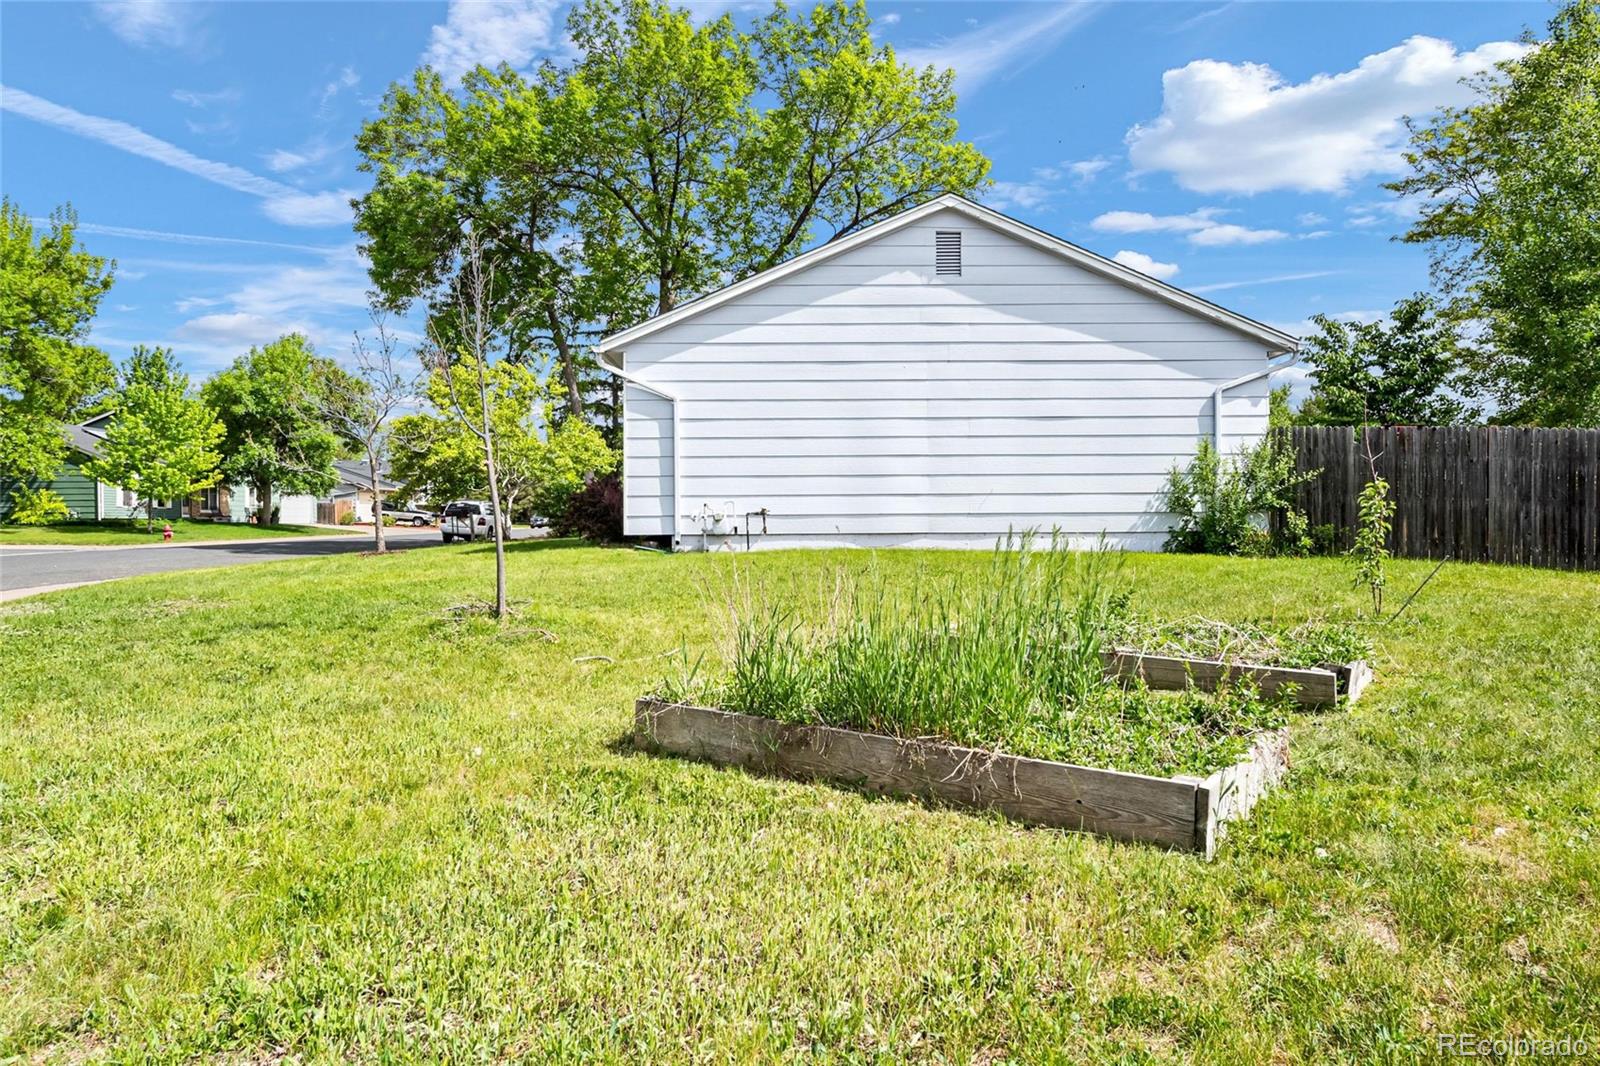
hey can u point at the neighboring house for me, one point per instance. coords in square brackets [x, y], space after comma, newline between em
[353, 493]
[93, 500]
[937, 379]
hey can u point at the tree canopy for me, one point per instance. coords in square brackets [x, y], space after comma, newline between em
[50, 289]
[1509, 188]
[271, 404]
[162, 441]
[1405, 371]
[539, 461]
[666, 159]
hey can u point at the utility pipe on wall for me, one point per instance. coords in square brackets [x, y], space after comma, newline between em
[677, 460]
[1216, 394]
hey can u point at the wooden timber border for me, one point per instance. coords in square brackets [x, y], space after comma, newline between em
[1312, 687]
[1187, 813]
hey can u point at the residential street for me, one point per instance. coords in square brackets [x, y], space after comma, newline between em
[24, 568]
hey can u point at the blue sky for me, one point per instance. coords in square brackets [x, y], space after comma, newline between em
[1234, 149]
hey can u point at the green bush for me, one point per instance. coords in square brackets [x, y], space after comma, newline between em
[1222, 504]
[346, 519]
[38, 507]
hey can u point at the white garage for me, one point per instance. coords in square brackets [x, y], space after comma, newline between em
[934, 380]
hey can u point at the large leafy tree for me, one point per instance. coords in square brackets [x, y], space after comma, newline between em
[272, 403]
[485, 161]
[666, 159]
[718, 154]
[50, 289]
[1510, 194]
[162, 441]
[1405, 371]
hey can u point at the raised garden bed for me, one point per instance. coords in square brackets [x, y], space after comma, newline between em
[1183, 812]
[1310, 686]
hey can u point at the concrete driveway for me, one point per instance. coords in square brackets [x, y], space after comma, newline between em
[29, 569]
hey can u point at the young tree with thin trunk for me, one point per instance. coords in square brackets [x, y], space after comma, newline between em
[162, 441]
[360, 406]
[471, 332]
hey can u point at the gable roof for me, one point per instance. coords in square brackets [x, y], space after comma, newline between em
[1276, 341]
[354, 473]
[83, 440]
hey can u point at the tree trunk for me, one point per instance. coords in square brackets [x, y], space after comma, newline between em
[150, 516]
[377, 502]
[666, 299]
[569, 367]
[500, 607]
[264, 503]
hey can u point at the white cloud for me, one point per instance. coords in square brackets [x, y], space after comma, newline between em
[236, 330]
[1384, 212]
[309, 154]
[283, 203]
[148, 23]
[1086, 170]
[134, 233]
[1240, 127]
[1146, 265]
[1006, 46]
[1310, 218]
[1276, 279]
[204, 100]
[490, 32]
[891, 19]
[1227, 233]
[269, 300]
[1199, 227]
[346, 79]
[1007, 194]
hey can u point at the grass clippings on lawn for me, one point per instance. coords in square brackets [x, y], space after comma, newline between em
[316, 820]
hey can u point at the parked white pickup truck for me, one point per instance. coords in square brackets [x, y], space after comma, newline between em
[469, 520]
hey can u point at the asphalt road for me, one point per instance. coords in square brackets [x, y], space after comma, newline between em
[25, 567]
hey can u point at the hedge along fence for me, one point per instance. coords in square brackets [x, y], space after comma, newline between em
[1472, 493]
[1184, 812]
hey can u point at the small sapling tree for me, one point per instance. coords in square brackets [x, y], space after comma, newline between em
[360, 406]
[162, 441]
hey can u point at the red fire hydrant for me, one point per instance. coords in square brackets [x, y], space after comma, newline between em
[166, 531]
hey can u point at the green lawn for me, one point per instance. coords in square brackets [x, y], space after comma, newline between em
[298, 809]
[125, 531]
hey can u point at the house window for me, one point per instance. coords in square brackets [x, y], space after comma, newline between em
[947, 252]
[211, 500]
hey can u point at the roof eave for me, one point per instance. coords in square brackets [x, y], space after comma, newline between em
[611, 348]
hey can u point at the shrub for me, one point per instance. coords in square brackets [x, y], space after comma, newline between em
[1222, 503]
[37, 507]
[594, 512]
[1372, 540]
[346, 519]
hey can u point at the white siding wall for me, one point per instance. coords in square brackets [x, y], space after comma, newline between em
[867, 401]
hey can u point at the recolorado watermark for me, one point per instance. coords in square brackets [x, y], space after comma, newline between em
[1473, 1046]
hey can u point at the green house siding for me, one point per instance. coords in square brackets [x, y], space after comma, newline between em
[111, 506]
[70, 483]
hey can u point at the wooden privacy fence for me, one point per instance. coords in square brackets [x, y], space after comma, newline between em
[1473, 493]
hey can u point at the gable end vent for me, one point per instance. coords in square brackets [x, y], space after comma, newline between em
[947, 252]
